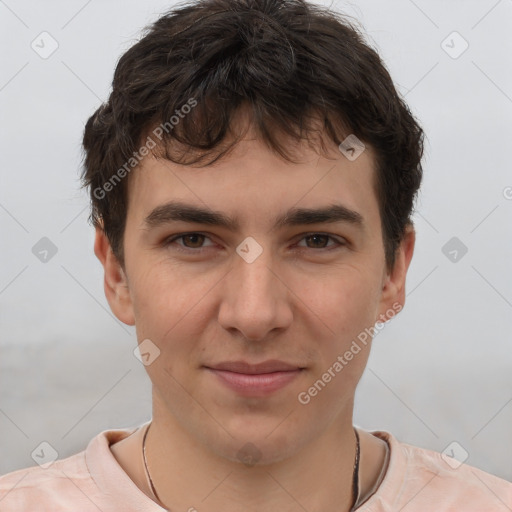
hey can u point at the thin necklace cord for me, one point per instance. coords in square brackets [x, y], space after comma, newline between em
[355, 474]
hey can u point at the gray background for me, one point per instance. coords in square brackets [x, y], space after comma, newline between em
[440, 372]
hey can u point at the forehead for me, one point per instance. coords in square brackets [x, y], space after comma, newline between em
[254, 184]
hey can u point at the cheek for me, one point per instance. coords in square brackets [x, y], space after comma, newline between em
[170, 311]
[169, 308]
[162, 292]
[341, 310]
[344, 302]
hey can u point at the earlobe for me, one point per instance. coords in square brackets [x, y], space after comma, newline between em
[393, 289]
[115, 282]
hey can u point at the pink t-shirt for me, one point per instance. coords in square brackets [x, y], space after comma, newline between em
[92, 480]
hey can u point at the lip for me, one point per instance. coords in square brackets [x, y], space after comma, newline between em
[255, 379]
[269, 366]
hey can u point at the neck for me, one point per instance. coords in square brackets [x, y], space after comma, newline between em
[316, 476]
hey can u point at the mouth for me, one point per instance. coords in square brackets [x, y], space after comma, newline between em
[255, 379]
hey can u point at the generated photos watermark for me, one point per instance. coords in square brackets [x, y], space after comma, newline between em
[304, 397]
[144, 150]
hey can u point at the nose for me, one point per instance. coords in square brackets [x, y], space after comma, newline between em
[255, 299]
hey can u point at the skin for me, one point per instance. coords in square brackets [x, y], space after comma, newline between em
[298, 302]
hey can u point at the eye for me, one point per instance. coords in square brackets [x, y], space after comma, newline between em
[319, 241]
[192, 241]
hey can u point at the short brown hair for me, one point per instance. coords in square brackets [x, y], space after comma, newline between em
[289, 61]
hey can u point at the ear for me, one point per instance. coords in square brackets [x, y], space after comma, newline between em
[115, 282]
[393, 287]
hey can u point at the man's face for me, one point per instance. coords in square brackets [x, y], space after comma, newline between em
[303, 300]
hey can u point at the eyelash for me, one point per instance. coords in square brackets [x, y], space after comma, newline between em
[169, 241]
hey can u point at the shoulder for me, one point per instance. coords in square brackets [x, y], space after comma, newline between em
[26, 489]
[70, 483]
[423, 479]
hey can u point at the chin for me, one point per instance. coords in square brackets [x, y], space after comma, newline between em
[259, 443]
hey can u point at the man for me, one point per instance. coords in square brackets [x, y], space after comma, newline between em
[252, 179]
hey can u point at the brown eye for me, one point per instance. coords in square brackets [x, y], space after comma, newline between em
[321, 241]
[196, 240]
[191, 242]
[318, 241]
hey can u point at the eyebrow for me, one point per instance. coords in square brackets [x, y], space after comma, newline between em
[178, 211]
